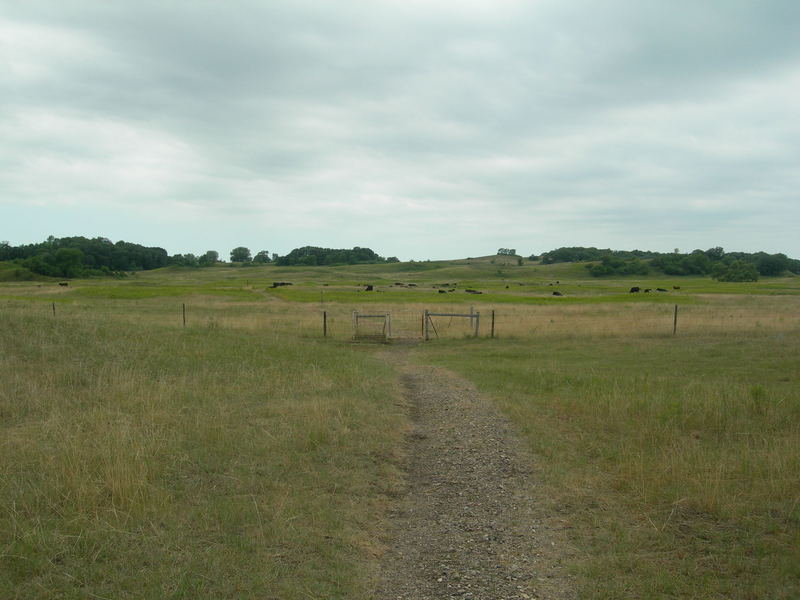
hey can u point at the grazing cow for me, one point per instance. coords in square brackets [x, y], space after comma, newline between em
[412, 285]
[63, 283]
[557, 294]
[368, 288]
[473, 292]
[453, 290]
[634, 290]
[279, 283]
[676, 287]
[660, 290]
[442, 291]
[648, 290]
[506, 287]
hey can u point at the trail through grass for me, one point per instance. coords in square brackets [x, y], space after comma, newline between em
[676, 460]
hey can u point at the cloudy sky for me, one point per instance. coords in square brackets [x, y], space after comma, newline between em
[419, 128]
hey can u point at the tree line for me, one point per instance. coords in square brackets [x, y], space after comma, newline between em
[714, 262]
[84, 257]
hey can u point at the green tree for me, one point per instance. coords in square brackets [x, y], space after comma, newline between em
[262, 257]
[738, 270]
[771, 264]
[211, 257]
[240, 254]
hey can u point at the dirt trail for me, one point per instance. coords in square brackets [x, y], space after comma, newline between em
[470, 524]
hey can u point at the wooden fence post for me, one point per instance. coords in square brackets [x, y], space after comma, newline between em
[675, 321]
[54, 310]
[477, 323]
[324, 323]
[492, 323]
[426, 331]
[184, 314]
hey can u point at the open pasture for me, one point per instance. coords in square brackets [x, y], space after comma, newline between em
[243, 454]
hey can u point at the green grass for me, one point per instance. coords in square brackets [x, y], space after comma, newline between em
[243, 456]
[675, 460]
[143, 461]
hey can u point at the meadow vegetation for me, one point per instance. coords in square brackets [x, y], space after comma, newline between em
[245, 456]
[140, 459]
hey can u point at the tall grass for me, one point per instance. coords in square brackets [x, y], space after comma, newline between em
[143, 460]
[676, 461]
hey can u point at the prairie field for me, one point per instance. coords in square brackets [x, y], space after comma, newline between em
[242, 454]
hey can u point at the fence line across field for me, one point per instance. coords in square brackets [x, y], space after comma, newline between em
[415, 323]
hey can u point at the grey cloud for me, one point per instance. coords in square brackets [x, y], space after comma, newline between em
[563, 112]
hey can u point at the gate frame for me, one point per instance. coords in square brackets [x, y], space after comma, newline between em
[474, 317]
[387, 323]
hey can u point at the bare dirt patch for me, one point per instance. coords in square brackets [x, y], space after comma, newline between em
[471, 523]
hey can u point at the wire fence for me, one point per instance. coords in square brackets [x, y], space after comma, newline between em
[768, 315]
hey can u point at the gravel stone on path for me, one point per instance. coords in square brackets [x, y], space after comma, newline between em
[470, 524]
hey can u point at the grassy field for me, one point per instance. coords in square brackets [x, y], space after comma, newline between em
[139, 459]
[245, 456]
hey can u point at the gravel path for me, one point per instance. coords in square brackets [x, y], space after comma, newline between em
[469, 525]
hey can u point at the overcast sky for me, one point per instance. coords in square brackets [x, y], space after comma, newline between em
[419, 128]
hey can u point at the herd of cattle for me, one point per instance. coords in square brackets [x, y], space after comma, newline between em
[636, 289]
[451, 287]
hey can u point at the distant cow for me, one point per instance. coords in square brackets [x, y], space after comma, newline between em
[473, 292]
[660, 290]
[63, 283]
[648, 290]
[557, 294]
[442, 291]
[412, 285]
[279, 283]
[368, 288]
[634, 290]
[676, 287]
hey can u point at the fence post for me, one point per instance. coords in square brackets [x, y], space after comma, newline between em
[184, 314]
[675, 321]
[477, 323]
[324, 323]
[426, 331]
[492, 323]
[54, 310]
[389, 325]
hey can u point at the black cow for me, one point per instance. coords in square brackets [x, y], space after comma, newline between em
[648, 290]
[634, 290]
[473, 292]
[368, 288]
[676, 287]
[63, 283]
[660, 290]
[557, 294]
[442, 291]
